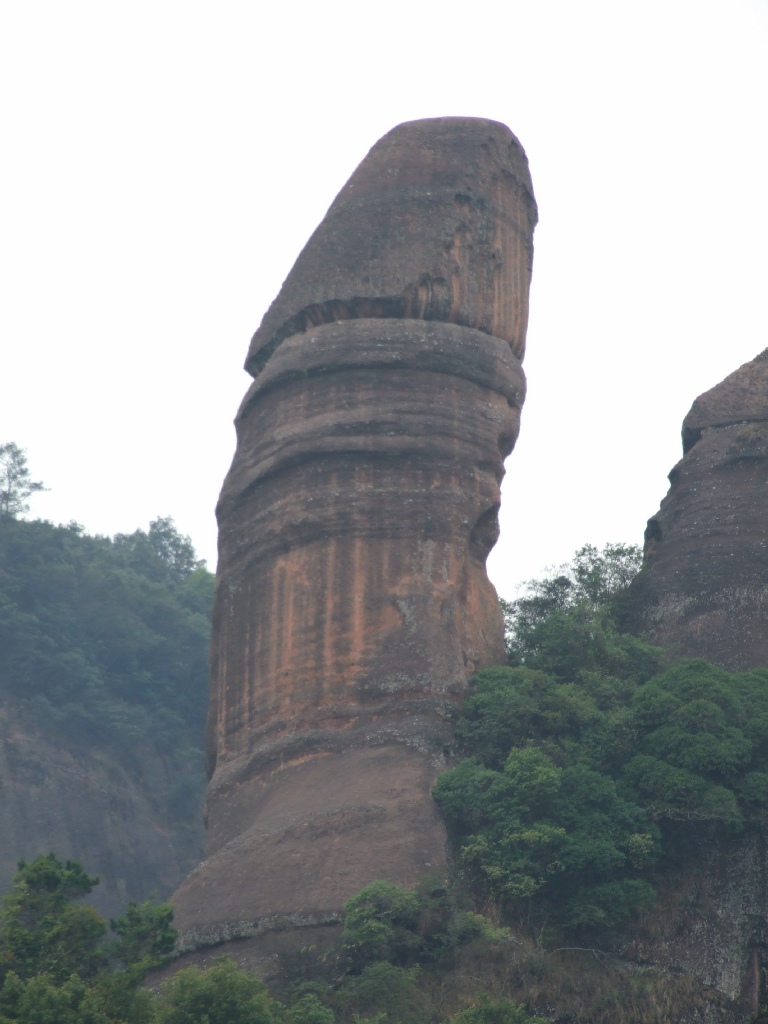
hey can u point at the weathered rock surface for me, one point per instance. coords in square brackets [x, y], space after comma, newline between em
[352, 599]
[704, 589]
[435, 224]
[709, 924]
[88, 802]
[703, 593]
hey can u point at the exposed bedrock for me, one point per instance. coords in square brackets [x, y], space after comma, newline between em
[354, 525]
[704, 589]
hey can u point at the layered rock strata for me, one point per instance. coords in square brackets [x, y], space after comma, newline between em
[704, 589]
[352, 599]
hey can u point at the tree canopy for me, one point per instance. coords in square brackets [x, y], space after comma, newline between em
[105, 636]
[57, 962]
[587, 759]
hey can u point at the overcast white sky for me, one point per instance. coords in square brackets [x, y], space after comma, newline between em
[163, 163]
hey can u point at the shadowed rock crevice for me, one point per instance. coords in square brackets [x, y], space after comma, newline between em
[352, 601]
[484, 534]
[423, 301]
[371, 345]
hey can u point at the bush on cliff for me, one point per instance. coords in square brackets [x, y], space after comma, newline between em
[405, 926]
[585, 763]
[403, 950]
[222, 994]
[537, 820]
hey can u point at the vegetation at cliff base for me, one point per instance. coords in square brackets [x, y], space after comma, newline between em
[397, 950]
[62, 963]
[587, 762]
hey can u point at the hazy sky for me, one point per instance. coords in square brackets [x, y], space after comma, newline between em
[164, 163]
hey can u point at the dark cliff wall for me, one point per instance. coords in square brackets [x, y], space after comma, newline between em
[352, 599]
[703, 591]
[87, 801]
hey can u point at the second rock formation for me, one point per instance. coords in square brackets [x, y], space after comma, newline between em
[703, 591]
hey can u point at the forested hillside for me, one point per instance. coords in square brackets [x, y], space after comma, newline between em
[103, 695]
[105, 637]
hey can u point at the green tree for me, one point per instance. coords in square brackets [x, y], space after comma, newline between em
[40, 1001]
[16, 483]
[308, 1009]
[557, 833]
[380, 923]
[578, 779]
[701, 751]
[405, 927]
[223, 994]
[43, 930]
[146, 936]
[56, 966]
[594, 579]
[162, 553]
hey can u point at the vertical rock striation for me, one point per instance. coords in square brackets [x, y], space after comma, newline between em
[352, 598]
[704, 589]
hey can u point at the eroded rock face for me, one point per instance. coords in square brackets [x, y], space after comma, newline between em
[435, 224]
[90, 802]
[704, 589]
[703, 593]
[352, 599]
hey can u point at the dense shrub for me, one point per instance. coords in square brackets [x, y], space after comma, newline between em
[586, 762]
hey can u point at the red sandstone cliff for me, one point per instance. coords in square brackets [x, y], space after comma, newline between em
[352, 599]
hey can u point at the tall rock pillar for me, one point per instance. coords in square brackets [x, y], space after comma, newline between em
[352, 599]
[703, 592]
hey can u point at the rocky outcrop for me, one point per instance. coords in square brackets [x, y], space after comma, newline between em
[703, 591]
[352, 599]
